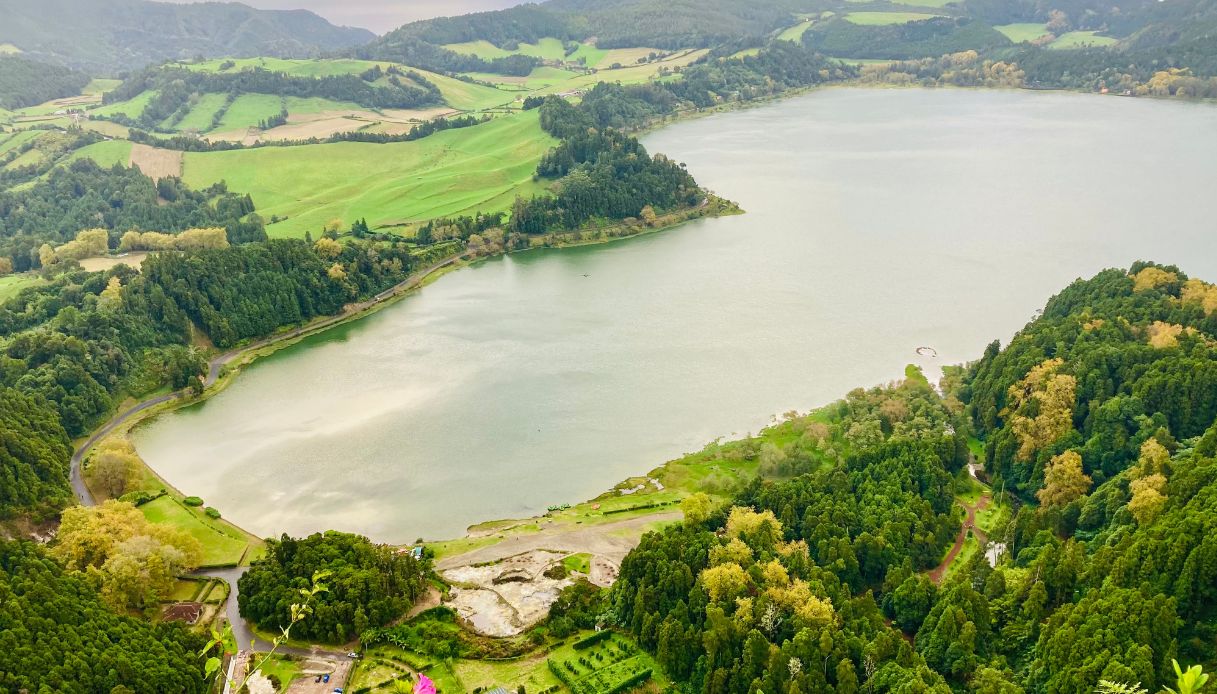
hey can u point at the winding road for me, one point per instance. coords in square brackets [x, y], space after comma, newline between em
[244, 635]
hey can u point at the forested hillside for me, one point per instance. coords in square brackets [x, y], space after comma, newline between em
[1098, 421]
[25, 83]
[108, 36]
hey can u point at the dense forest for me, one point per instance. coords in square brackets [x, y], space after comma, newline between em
[1099, 421]
[57, 635]
[83, 195]
[368, 585]
[27, 83]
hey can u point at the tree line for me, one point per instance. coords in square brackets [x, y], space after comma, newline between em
[174, 87]
[84, 195]
[1097, 421]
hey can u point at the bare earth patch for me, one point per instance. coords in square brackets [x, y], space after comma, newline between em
[504, 598]
[318, 128]
[156, 162]
[100, 264]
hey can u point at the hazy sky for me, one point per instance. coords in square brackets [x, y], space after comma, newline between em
[381, 15]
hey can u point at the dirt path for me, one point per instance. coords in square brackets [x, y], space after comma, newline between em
[938, 572]
[611, 541]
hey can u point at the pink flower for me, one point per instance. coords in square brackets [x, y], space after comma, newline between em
[424, 686]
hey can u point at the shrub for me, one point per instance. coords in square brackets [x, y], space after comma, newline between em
[192, 501]
[211, 512]
[592, 640]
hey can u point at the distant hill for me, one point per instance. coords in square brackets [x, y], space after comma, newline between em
[25, 83]
[613, 23]
[108, 36]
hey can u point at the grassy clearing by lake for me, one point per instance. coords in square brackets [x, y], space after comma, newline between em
[1081, 39]
[886, 18]
[1022, 31]
[222, 543]
[452, 172]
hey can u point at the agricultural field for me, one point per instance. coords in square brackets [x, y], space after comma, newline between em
[248, 109]
[886, 18]
[545, 49]
[132, 108]
[202, 115]
[1082, 39]
[11, 141]
[222, 543]
[452, 172]
[603, 662]
[106, 153]
[1022, 31]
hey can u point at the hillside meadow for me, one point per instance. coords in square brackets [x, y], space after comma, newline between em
[450, 173]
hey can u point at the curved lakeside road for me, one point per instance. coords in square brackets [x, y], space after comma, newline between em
[241, 630]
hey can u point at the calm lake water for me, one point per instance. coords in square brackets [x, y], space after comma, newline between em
[878, 221]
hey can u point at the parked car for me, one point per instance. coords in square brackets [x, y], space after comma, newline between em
[318, 679]
[326, 678]
[352, 654]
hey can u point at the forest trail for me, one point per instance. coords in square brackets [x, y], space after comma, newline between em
[969, 524]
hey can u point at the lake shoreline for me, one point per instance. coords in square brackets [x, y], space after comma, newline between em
[123, 422]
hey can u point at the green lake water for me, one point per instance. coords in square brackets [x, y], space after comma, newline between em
[878, 221]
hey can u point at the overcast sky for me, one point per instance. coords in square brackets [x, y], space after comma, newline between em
[381, 15]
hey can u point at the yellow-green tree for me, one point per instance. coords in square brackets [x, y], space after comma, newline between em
[1064, 480]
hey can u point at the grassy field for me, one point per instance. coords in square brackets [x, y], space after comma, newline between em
[200, 117]
[222, 544]
[106, 153]
[132, 108]
[14, 140]
[99, 86]
[1022, 32]
[458, 94]
[453, 172]
[284, 668]
[795, 33]
[545, 49]
[885, 18]
[1081, 39]
[970, 547]
[10, 285]
[248, 109]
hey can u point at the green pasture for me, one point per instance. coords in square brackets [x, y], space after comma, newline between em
[886, 18]
[1082, 39]
[222, 543]
[99, 86]
[12, 141]
[201, 115]
[453, 172]
[106, 153]
[248, 110]
[132, 108]
[795, 33]
[1022, 31]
